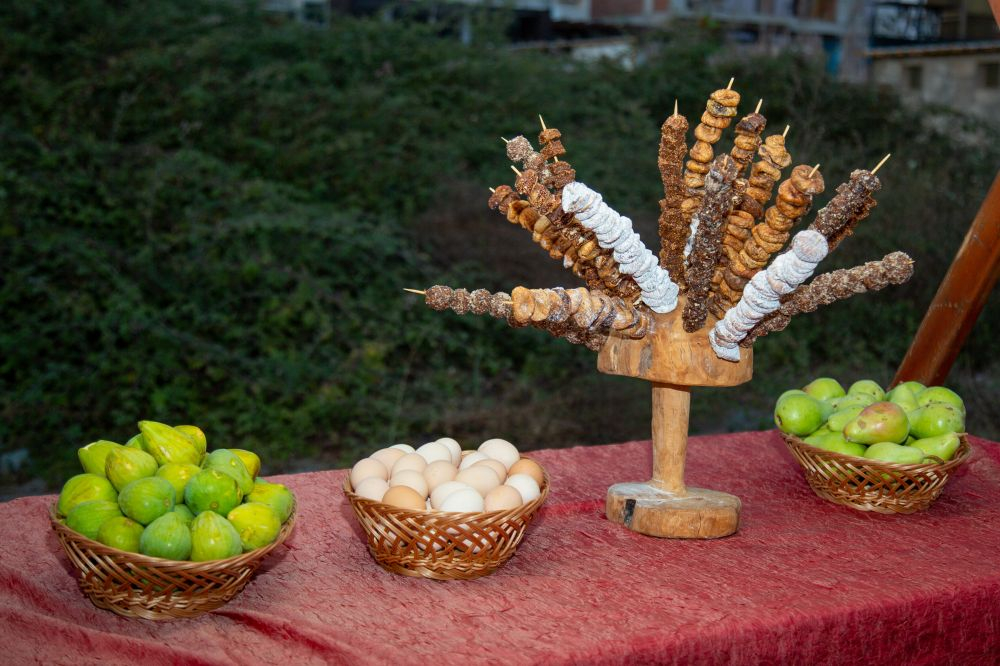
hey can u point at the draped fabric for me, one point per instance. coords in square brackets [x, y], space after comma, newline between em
[802, 582]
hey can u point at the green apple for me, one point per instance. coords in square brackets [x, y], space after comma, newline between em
[841, 417]
[895, 453]
[942, 446]
[904, 397]
[799, 415]
[867, 387]
[879, 422]
[937, 418]
[934, 394]
[824, 388]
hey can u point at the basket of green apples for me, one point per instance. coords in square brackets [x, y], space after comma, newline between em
[871, 450]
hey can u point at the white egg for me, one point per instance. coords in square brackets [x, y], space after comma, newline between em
[454, 448]
[441, 471]
[463, 500]
[432, 452]
[367, 468]
[405, 448]
[372, 488]
[470, 459]
[494, 465]
[503, 498]
[412, 461]
[410, 478]
[500, 449]
[525, 485]
[440, 493]
[482, 478]
[388, 457]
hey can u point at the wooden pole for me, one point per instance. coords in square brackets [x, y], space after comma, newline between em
[959, 299]
[671, 410]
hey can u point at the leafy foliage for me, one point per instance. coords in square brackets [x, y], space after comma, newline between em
[208, 215]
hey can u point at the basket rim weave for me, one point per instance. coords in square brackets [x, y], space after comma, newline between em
[381, 521]
[853, 481]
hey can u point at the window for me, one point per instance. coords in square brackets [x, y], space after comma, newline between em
[989, 75]
[914, 75]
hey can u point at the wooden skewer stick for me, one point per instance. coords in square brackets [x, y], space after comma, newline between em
[813, 171]
[760, 103]
[493, 190]
[675, 107]
[514, 168]
[729, 86]
[637, 301]
[542, 120]
[785, 133]
[505, 140]
[879, 165]
[415, 291]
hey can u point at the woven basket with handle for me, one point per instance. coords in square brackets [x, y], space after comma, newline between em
[153, 588]
[873, 485]
[440, 545]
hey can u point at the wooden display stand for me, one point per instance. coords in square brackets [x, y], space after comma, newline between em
[674, 361]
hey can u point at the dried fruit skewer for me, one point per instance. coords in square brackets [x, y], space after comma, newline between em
[852, 203]
[673, 227]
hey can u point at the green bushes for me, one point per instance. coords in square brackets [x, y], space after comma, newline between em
[207, 216]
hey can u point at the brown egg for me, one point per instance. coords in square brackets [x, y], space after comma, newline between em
[410, 478]
[367, 468]
[404, 497]
[496, 466]
[502, 498]
[388, 457]
[438, 472]
[483, 479]
[529, 467]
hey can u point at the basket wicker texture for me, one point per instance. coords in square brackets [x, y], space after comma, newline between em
[873, 485]
[153, 588]
[440, 545]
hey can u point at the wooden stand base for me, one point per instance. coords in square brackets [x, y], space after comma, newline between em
[696, 514]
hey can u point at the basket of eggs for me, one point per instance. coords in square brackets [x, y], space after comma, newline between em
[871, 450]
[443, 513]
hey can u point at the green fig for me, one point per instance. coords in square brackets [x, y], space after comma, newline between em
[121, 533]
[84, 488]
[178, 474]
[894, 453]
[942, 446]
[94, 455]
[867, 387]
[229, 463]
[167, 537]
[185, 513]
[824, 387]
[799, 415]
[195, 434]
[257, 524]
[87, 518]
[167, 444]
[213, 538]
[250, 460]
[788, 393]
[904, 397]
[125, 465]
[934, 394]
[915, 387]
[145, 500]
[212, 490]
[816, 438]
[137, 442]
[840, 418]
[852, 400]
[275, 495]
[879, 422]
[937, 418]
[835, 441]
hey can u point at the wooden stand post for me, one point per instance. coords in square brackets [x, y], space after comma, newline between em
[673, 360]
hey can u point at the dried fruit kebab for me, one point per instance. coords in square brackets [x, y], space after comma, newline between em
[721, 243]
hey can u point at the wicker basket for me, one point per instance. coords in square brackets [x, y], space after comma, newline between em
[441, 545]
[872, 485]
[153, 588]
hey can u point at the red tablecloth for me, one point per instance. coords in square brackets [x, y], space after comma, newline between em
[804, 582]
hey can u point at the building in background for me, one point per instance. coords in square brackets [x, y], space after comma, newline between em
[939, 52]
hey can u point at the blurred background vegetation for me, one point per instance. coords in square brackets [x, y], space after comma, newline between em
[208, 216]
